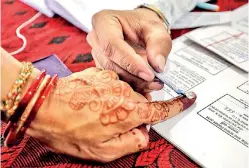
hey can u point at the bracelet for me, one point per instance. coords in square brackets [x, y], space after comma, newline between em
[24, 102]
[38, 104]
[13, 132]
[11, 101]
[159, 13]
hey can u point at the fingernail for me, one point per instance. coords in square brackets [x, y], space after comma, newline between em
[145, 131]
[160, 83]
[160, 60]
[158, 80]
[190, 95]
[188, 100]
[146, 76]
[155, 85]
[148, 128]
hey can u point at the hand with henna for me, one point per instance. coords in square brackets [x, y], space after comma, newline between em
[93, 115]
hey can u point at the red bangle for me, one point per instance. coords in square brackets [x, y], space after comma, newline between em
[39, 103]
[24, 102]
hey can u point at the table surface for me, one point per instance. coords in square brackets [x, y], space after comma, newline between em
[46, 36]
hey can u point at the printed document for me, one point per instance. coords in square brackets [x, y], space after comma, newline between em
[214, 131]
[229, 42]
[200, 19]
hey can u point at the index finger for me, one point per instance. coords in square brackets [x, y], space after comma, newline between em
[132, 113]
[155, 112]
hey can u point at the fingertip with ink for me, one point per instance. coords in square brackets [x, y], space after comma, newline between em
[188, 99]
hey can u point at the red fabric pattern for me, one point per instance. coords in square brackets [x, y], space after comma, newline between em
[46, 36]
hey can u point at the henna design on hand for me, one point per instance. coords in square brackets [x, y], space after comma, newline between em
[144, 111]
[111, 98]
[161, 111]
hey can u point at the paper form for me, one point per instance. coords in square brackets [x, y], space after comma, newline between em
[218, 119]
[241, 24]
[199, 19]
[227, 42]
[240, 18]
[230, 42]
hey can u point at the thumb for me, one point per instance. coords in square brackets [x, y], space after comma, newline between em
[158, 45]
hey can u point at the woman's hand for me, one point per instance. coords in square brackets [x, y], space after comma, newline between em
[93, 115]
[112, 39]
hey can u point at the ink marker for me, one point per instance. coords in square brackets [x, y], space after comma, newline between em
[208, 6]
[162, 78]
[169, 84]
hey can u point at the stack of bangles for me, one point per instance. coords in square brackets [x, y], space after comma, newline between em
[20, 113]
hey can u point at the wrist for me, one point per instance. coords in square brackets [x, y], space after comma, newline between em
[158, 13]
[10, 70]
[146, 11]
[30, 80]
[12, 79]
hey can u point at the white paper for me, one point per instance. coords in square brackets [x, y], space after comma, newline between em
[199, 19]
[214, 131]
[240, 18]
[39, 5]
[227, 42]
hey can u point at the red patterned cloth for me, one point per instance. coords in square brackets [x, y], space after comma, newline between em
[46, 36]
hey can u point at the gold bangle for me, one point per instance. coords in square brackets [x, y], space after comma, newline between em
[159, 13]
[11, 101]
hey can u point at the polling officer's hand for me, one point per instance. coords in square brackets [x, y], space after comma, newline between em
[125, 41]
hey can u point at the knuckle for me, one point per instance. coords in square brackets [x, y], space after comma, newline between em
[95, 18]
[111, 73]
[128, 65]
[98, 15]
[131, 68]
[101, 15]
[105, 11]
[109, 65]
[108, 49]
